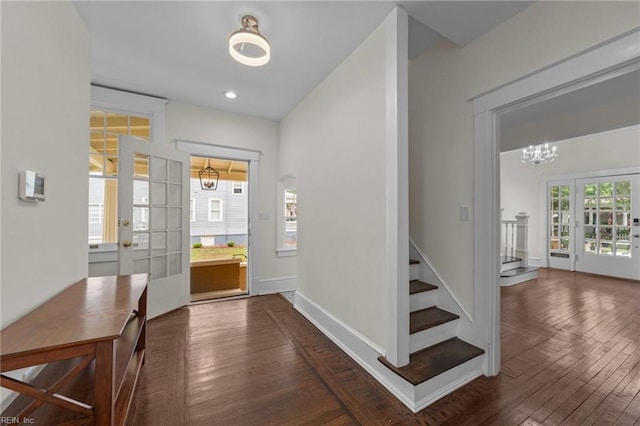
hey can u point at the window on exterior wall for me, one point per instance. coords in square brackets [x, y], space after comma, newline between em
[215, 210]
[290, 218]
[237, 188]
[192, 209]
[287, 221]
[105, 127]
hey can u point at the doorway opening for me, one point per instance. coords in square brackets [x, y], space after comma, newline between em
[219, 228]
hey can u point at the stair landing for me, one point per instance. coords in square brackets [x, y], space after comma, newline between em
[428, 363]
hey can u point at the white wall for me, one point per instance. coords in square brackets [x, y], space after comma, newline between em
[520, 184]
[333, 142]
[45, 103]
[441, 82]
[199, 124]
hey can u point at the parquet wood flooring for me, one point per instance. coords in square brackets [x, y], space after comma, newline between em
[570, 356]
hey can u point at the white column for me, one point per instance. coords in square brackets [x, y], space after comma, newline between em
[522, 238]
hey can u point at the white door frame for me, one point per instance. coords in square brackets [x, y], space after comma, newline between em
[618, 56]
[253, 158]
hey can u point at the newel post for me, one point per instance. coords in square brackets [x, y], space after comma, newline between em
[522, 238]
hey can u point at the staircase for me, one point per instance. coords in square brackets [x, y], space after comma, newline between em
[438, 358]
[513, 270]
[514, 267]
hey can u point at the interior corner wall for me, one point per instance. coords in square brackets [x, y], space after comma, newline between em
[45, 124]
[333, 142]
[441, 83]
[200, 124]
[520, 184]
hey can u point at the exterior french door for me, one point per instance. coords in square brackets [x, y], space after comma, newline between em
[153, 222]
[608, 231]
[560, 231]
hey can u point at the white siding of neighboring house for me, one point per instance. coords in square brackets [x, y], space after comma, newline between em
[235, 214]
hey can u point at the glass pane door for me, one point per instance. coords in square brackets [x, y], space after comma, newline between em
[153, 214]
[607, 231]
[560, 224]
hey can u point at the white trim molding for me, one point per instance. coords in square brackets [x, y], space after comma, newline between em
[361, 349]
[275, 285]
[613, 58]
[253, 158]
[149, 106]
[397, 187]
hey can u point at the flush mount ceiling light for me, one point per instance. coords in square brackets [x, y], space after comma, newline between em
[248, 46]
[230, 94]
[536, 154]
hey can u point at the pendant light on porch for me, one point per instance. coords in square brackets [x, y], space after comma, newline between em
[209, 177]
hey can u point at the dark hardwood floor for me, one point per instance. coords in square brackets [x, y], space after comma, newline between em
[570, 355]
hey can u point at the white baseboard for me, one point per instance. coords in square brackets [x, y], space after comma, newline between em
[361, 349]
[274, 285]
[442, 385]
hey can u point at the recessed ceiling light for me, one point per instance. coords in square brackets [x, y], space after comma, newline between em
[229, 94]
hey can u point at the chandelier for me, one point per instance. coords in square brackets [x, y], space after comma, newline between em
[209, 177]
[536, 154]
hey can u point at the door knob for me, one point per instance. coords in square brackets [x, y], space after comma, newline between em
[125, 222]
[126, 243]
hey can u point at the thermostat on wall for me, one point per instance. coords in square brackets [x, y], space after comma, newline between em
[31, 186]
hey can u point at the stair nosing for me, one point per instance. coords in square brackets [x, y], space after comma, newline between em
[525, 270]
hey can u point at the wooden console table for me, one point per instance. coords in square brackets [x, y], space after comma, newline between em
[92, 338]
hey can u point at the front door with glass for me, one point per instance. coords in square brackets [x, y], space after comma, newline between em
[153, 220]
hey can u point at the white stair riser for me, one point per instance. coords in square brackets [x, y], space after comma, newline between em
[414, 271]
[509, 266]
[517, 279]
[423, 300]
[432, 336]
[428, 392]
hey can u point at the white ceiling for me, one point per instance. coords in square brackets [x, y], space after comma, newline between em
[178, 50]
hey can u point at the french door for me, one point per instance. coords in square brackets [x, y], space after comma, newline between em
[153, 222]
[560, 230]
[608, 228]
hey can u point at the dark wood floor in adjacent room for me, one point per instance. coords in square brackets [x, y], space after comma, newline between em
[570, 353]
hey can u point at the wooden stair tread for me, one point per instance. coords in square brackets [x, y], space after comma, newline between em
[413, 262]
[417, 286]
[428, 363]
[429, 317]
[517, 271]
[510, 259]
